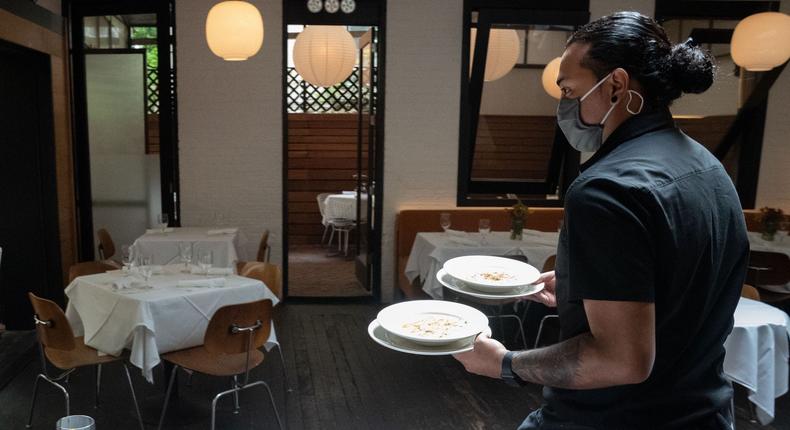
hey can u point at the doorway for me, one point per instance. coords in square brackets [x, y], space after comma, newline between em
[332, 151]
[126, 160]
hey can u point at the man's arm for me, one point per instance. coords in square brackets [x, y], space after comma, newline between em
[618, 350]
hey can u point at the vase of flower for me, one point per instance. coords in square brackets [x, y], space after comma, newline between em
[516, 229]
[771, 220]
[518, 218]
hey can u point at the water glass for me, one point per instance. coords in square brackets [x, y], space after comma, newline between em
[127, 256]
[484, 227]
[146, 270]
[445, 221]
[185, 252]
[163, 220]
[205, 261]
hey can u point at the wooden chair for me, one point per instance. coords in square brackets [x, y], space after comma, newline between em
[58, 345]
[106, 245]
[548, 266]
[270, 274]
[88, 268]
[750, 292]
[231, 347]
[264, 251]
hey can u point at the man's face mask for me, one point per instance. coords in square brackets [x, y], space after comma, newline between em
[583, 137]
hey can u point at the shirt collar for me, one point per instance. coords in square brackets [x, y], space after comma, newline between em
[632, 128]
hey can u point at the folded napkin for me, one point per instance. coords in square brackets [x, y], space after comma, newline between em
[464, 241]
[222, 231]
[195, 270]
[155, 270]
[203, 283]
[158, 230]
[458, 233]
[125, 282]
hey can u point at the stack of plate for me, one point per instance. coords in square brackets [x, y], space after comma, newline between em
[428, 327]
[492, 278]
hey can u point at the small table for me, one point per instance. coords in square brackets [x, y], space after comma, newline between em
[155, 321]
[163, 247]
[431, 250]
[344, 206]
[757, 353]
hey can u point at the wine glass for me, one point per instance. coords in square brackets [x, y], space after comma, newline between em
[185, 251]
[444, 221]
[204, 261]
[219, 219]
[146, 270]
[127, 257]
[484, 227]
[163, 219]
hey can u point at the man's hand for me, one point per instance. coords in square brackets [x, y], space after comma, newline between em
[485, 359]
[547, 295]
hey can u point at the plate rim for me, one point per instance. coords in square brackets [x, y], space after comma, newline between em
[482, 295]
[483, 320]
[375, 325]
[487, 285]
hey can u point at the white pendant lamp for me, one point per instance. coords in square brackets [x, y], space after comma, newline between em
[761, 41]
[503, 47]
[234, 30]
[549, 78]
[324, 55]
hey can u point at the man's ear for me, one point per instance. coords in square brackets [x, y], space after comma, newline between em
[619, 84]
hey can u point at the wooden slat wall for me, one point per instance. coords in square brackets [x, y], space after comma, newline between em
[709, 131]
[322, 158]
[513, 146]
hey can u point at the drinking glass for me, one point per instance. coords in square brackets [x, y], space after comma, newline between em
[127, 256]
[163, 220]
[146, 270]
[205, 261]
[219, 219]
[484, 227]
[444, 221]
[185, 251]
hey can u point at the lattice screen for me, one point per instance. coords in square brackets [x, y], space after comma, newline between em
[304, 97]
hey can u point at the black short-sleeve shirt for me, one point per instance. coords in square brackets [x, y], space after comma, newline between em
[653, 217]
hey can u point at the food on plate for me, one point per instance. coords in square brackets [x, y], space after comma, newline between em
[434, 326]
[493, 276]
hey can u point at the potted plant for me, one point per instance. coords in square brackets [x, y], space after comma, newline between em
[518, 218]
[771, 219]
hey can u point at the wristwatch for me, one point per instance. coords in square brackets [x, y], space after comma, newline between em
[507, 374]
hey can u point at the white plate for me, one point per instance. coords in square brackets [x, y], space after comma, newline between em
[388, 340]
[470, 267]
[393, 319]
[459, 286]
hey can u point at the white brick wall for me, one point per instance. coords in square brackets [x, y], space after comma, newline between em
[230, 128]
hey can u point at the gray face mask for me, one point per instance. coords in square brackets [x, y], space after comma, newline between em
[583, 137]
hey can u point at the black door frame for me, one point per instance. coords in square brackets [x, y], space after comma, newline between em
[75, 11]
[368, 13]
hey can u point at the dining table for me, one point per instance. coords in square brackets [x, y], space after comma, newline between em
[431, 250]
[344, 206]
[119, 310]
[780, 245]
[756, 354]
[162, 245]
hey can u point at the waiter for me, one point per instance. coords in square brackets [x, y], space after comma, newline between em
[653, 250]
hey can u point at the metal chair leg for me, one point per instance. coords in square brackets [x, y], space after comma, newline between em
[323, 236]
[98, 384]
[274, 406]
[214, 405]
[33, 402]
[134, 396]
[167, 396]
[331, 235]
[540, 328]
[235, 384]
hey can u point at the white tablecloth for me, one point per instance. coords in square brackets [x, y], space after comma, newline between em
[156, 321]
[757, 354]
[431, 250]
[344, 206]
[163, 247]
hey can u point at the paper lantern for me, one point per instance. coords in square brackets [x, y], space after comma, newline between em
[234, 30]
[761, 41]
[325, 55]
[503, 48]
[549, 78]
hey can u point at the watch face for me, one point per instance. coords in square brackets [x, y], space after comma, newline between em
[314, 6]
[331, 6]
[348, 6]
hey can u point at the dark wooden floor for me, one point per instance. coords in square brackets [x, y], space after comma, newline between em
[338, 378]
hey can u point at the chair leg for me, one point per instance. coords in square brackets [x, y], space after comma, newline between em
[98, 384]
[33, 402]
[323, 236]
[167, 396]
[274, 405]
[214, 405]
[235, 384]
[331, 235]
[134, 396]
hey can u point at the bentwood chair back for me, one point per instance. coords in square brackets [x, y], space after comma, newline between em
[750, 292]
[58, 345]
[88, 268]
[264, 250]
[270, 274]
[222, 335]
[106, 245]
[548, 266]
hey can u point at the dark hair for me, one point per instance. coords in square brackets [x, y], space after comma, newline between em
[639, 45]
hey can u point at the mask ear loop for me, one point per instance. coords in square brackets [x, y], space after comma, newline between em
[641, 102]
